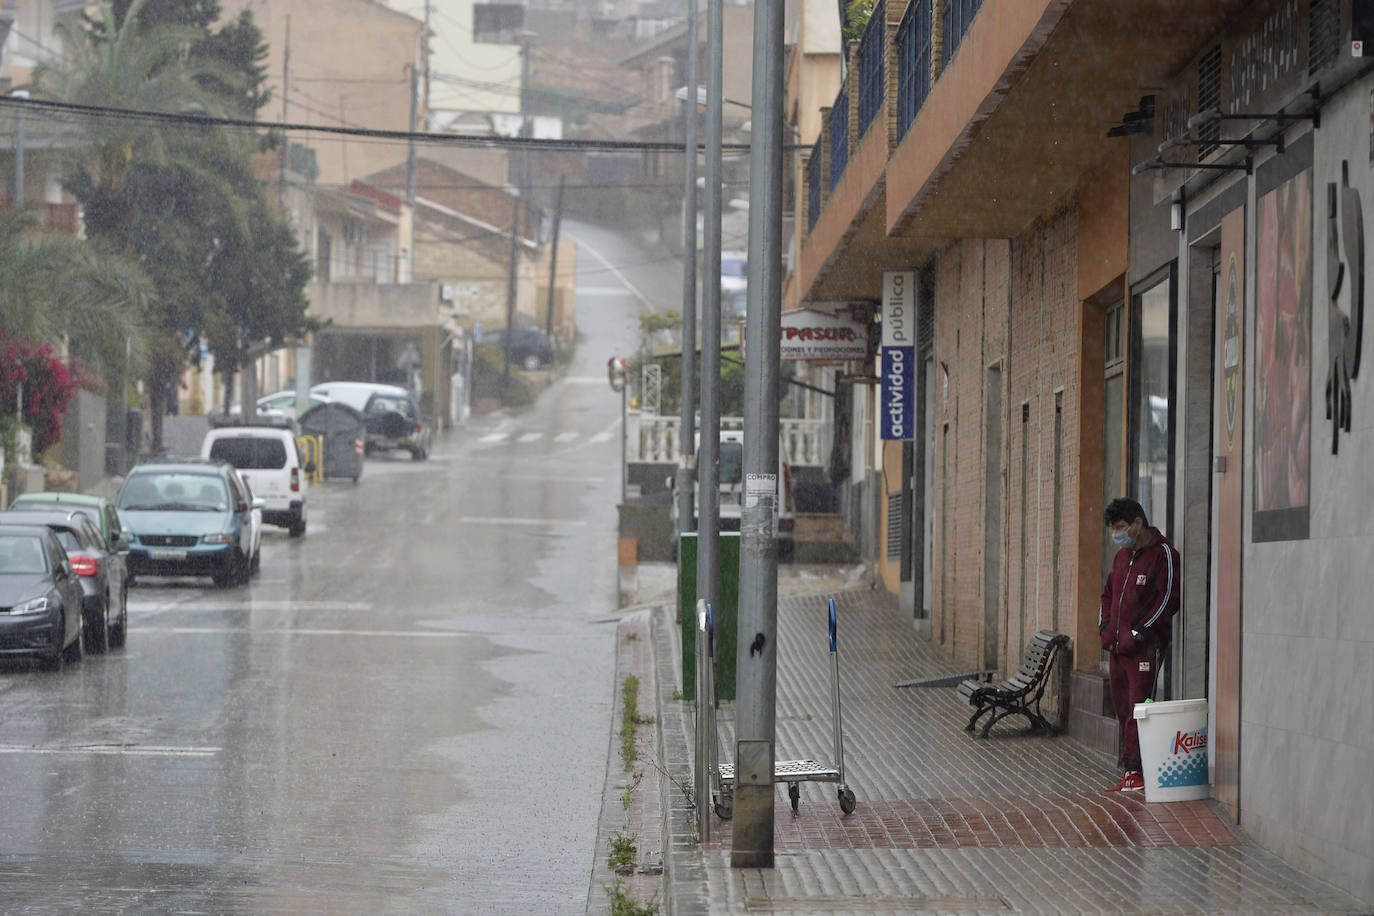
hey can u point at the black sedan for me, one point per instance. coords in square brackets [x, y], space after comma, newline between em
[100, 570]
[40, 599]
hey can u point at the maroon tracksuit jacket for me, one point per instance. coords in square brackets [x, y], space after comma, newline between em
[1141, 596]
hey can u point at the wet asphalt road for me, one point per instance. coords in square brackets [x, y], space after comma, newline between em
[407, 711]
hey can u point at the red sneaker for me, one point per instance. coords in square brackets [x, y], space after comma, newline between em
[1131, 781]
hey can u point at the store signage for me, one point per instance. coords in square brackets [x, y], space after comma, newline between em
[1346, 330]
[816, 335]
[898, 374]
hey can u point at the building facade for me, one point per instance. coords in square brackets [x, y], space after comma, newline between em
[1112, 217]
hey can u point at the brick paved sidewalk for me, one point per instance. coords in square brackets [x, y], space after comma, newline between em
[945, 822]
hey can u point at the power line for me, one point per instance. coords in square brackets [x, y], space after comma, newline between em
[463, 140]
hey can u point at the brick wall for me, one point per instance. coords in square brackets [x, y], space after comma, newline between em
[1011, 304]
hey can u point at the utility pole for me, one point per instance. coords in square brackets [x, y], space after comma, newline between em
[19, 149]
[285, 152]
[751, 844]
[521, 179]
[708, 456]
[553, 257]
[687, 422]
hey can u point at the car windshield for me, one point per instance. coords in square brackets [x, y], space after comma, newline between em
[21, 555]
[250, 452]
[174, 491]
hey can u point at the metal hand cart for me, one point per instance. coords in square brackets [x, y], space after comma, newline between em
[792, 772]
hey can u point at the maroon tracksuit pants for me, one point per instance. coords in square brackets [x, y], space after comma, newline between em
[1133, 680]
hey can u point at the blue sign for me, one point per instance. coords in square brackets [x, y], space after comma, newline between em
[897, 401]
[899, 393]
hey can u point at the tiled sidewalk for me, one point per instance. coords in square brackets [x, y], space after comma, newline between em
[946, 822]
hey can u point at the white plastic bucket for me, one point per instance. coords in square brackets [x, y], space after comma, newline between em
[1173, 749]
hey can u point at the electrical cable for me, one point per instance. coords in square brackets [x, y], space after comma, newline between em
[461, 140]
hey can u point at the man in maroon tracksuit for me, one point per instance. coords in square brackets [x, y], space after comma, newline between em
[1139, 600]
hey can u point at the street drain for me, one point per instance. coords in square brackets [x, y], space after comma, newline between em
[874, 904]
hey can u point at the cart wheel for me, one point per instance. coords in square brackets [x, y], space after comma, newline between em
[794, 793]
[725, 807]
[847, 800]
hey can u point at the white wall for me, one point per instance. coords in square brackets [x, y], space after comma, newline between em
[1307, 729]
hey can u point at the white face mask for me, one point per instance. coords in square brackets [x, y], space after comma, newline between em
[1123, 538]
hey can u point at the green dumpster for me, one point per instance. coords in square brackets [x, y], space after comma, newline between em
[726, 615]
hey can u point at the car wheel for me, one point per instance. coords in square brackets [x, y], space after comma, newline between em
[98, 631]
[255, 567]
[419, 454]
[232, 574]
[72, 653]
[120, 631]
[297, 527]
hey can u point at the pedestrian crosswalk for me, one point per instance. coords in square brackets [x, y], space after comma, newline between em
[530, 437]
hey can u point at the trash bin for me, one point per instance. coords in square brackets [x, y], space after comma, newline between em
[1173, 749]
[342, 429]
[725, 616]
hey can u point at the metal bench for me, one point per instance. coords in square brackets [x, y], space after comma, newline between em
[1020, 693]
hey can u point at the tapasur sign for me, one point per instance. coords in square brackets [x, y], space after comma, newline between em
[898, 375]
[816, 335]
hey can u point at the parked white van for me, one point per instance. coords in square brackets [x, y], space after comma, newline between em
[269, 459]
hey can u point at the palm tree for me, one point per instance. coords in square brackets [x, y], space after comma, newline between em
[54, 286]
[118, 65]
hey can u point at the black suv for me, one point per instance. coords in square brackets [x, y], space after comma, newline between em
[529, 347]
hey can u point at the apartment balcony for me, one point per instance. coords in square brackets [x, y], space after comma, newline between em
[993, 110]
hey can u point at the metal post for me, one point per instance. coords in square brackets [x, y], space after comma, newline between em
[701, 771]
[510, 294]
[708, 455]
[284, 154]
[553, 257]
[19, 147]
[624, 437]
[687, 424]
[757, 666]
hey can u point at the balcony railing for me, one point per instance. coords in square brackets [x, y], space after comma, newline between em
[813, 186]
[872, 66]
[913, 63]
[958, 15]
[839, 136]
[654, 438]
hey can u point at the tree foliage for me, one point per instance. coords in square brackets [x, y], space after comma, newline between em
[46, 384]
[183, 199]
[56, 286]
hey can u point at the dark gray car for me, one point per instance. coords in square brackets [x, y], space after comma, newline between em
[40, 599]
[99, 569]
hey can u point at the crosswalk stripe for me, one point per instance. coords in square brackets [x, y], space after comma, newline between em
[601, 437]
[494, 437]
[565, 437]
[531, 437]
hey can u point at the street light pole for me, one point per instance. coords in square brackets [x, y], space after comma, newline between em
[708, 456]
[19, 147]
[756, 668]
[687, 422]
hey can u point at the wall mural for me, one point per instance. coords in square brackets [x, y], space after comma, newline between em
[1283, 371]
[1345, 330]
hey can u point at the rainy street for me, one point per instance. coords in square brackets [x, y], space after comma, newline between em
[407, 710]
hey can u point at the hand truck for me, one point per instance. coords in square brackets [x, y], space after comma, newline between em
[792, 772]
